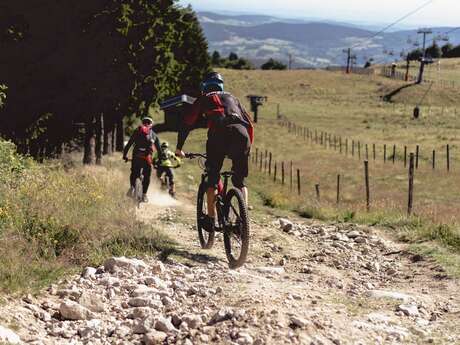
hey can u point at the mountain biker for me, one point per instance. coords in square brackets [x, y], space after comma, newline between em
[230, 134]
[144, 140]
[166, 166]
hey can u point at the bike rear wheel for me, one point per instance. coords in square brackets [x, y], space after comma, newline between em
[206, 237]
[138, 192]
[236, 232]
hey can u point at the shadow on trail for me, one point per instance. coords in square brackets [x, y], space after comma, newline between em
[388, 97]
[199, 258]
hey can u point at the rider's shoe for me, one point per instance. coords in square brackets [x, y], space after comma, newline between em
[145, 198]
[208, 223]
[130, 193]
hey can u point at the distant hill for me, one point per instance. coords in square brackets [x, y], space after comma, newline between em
[312, 44]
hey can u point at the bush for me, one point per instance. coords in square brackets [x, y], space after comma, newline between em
[274, 64]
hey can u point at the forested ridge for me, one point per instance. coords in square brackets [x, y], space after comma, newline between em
[70, 72]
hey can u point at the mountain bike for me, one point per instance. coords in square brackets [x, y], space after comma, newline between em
[138, 188]
[232, 217]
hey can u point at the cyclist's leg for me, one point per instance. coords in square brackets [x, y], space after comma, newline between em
[215, 159]
[147, 173]
[170, 175]
[239, 153]
[135, 171]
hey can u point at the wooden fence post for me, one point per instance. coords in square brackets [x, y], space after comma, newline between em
[317, 192]
[282, 173]
[270, 164]
[367, 152]
[384, 153]
[257, 156]
[373, 151]
[338, 189]
[298, 181]
[366, 175]
[394, 153]
[434, 159]
[340, 145]
[291, 177]
[405, 156]
[260, 161]
[359, 149]
[417, 153]
[352, 147]
[448, 157]
[274, 173]
[411, 185]
[346, 146]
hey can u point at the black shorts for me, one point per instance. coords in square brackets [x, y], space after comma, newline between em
[232, 142]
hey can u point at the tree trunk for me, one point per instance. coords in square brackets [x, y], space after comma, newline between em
[88, 155]
[120, 135]
[98, 146]
[113, 141]
[108, 131]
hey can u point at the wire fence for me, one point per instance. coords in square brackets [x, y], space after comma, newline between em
[436, 159]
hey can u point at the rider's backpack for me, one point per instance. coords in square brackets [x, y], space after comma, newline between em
[145, 139]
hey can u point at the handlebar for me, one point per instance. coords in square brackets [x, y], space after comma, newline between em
[195, 155]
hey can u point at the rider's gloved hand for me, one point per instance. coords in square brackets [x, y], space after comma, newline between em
[180, 153]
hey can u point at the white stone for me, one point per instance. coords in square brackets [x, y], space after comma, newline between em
[154, 338]
[114, 264]
[271, 270]
[163, 324]
[409, 309]
[89, 272]
[139, 302]
[245, 339]
[286, 224]
[73, 311]
[390, 294]
[8, 336]
[192, 321]
[143, 291]
[299, 322]
[92, 302]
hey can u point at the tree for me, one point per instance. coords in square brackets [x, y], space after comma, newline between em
[434, 51]
[415, 55]
[216, 59]
[232, 56]
[446, 49]
[273, 64]
[454, 53]
[95, 63]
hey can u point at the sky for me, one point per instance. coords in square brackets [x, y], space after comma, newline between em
[438, 13]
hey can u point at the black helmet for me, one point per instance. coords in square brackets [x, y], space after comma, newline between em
[213, 82]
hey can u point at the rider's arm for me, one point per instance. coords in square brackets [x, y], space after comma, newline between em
[128, 145]
[157, 144]
[190, 120]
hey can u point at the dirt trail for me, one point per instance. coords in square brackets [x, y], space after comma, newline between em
[306, 282]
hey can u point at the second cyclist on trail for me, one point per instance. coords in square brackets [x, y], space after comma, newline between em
[165, 167]
[144, 140]
[230, 134]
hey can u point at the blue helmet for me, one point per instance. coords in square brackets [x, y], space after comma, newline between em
[213, 82]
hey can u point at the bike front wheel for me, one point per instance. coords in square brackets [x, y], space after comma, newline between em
[236, 232]
[138, 192]
[206, 237]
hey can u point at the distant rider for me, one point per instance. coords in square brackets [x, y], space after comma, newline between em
[165, 166]
[230, 134]
[144, 140]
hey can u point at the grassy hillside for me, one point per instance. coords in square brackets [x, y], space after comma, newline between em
[352, 107]
[444, 69]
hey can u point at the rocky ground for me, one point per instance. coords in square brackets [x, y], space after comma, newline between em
[305, 283]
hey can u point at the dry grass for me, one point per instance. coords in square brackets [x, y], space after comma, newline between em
[352, 106]
[55, 218]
